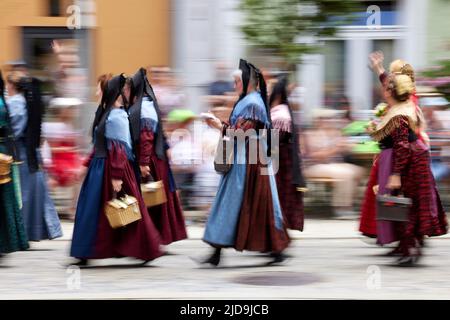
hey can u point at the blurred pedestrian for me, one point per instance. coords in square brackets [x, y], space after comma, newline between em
[246, 214]
[185, 153]
[13, 236]
[325, 149]
[404, 164]
[111, 172]
[26, 111]
[167, 90]
[150, 147]
[222, 85]
[290, 180]
[219, 89]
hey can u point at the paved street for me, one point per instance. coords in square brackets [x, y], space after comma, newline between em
[329, 260]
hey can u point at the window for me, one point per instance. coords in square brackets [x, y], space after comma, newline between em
[334, 56]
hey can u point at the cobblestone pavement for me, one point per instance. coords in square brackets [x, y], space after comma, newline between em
[328, 261]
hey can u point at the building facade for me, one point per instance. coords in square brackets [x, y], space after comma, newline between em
[114, 35]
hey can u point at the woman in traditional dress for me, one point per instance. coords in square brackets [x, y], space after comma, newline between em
[26, 112]
[151, 157]
[290, 181]
[404, 164]
[368, 225]
[13, 236]
[246, 214]
[111, 171]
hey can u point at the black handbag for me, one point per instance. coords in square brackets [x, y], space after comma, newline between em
[224, 156]
[393, 208]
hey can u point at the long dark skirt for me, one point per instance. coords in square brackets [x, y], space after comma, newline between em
[427, 216]
[13, 236]
[38, 211]
[168, 217]
[291, 200]
[257, 229]
[93, 236]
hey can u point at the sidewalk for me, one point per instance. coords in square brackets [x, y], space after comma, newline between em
[314, 229]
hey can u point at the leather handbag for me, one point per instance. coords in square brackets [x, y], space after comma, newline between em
[224, 156]
[393, 208]
[121, 212]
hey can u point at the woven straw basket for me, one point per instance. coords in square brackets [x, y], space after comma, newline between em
[154, 193]
[5, 168]
[122, 212]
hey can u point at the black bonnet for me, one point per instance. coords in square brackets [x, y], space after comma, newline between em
[113, 90]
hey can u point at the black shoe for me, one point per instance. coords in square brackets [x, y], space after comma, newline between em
[407, 261]
[80, 263]
[214, 259]
[144, 262]
[277, 258]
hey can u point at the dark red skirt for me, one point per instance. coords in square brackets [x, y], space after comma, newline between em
[139, 239]
[256, 227]
[368, 222]
[168, 217]
[427, 215]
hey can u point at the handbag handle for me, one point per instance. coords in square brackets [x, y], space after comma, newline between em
[148, 178]
[121, 192]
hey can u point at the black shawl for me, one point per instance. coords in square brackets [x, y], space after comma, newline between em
[35, 109]
[246, 69]
[142, 87]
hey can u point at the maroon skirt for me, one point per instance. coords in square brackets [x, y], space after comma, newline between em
[168, 217]
[256, 227]
[139, 239]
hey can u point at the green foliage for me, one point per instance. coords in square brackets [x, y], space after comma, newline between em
[438, 77]
[278, 24]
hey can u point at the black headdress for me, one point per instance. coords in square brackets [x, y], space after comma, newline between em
[247, 70]
[7, 131]
[112, 92]
[141, 88]
[280, 89]
[35, 108]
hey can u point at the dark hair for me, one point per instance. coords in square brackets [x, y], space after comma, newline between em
[279, 91]
[103, 80]
[2, 85]
[15, 79]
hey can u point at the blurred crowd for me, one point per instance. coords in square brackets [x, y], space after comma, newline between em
[336, 148]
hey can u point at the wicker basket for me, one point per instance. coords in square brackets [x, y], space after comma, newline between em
[154, 193]
[5, 168]
[123, 211]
